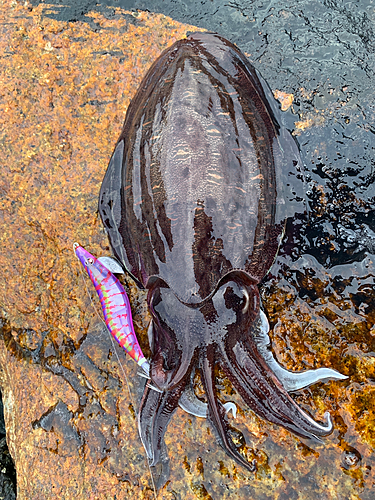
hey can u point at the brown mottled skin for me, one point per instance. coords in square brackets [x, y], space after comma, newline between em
[195, 198]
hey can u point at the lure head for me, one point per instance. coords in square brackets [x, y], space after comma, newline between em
[93, 266]
[83, 255]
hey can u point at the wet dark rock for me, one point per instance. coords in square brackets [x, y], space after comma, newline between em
[320, 300]
[7, 473]
[2, 423]
[7, 470]
[358, 239]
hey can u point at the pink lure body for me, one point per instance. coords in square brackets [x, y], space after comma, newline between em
[115, 304]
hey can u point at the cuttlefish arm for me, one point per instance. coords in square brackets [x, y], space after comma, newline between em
[188, 401]
[191, 404]
[292, 381]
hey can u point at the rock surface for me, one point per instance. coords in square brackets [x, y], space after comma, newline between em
[70, 420]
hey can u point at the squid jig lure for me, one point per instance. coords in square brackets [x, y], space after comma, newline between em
[115, 305]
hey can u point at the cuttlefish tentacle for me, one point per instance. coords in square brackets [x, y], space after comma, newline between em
[291, 381]
[262, 391]
[155, 412]
[216, 414]
[188, 402]
[191, 404]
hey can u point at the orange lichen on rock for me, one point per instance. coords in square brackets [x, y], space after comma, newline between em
[285, 99]
[302, 125]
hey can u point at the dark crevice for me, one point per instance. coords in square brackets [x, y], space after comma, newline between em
[8, 479]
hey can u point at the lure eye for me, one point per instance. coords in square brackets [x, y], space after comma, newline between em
[89, 261]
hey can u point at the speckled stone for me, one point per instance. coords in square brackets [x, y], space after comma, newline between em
[70, 420]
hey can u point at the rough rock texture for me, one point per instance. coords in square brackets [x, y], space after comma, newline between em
[70, 420]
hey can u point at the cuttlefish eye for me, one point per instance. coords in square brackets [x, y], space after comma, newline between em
[247, 297]
[236, 297]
